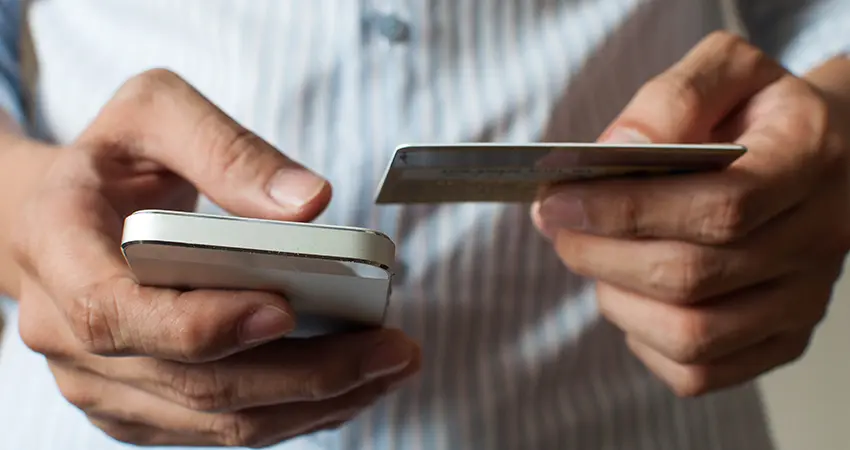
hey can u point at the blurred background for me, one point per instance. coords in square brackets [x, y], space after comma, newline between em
[809, 401]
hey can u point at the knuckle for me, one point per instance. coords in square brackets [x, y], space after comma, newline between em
[91, 319]
[201, 389]
[798, 349]
[692, 382]
[139, 100]
[32, 336]
[608, 306]
[721, 216]
[148, 88]
[729, 43]
[723, 38]
[232, 147]
[123, 432]
[81, 395]
[742, 53]
[680, 277]
[687, 89]
[682, 93]
[809, 315]
[817, 314]
[237, 430]
[691, 338]
[36, 337]
[193, 337]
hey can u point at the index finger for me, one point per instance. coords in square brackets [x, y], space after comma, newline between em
[79, 265]
[777, 118]
[159, 116]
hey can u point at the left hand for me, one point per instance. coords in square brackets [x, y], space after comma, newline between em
[716, 278]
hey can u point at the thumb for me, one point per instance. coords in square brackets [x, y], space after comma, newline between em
[170, 122]
[685, 104]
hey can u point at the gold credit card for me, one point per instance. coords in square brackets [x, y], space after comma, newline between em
[514, 173]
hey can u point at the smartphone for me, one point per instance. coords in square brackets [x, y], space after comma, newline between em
[514, 173]
[335, 278]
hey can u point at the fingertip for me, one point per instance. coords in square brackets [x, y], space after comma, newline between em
[624, 135]
[537, 220]
[407, 373]
[300, 193]
[210, 324]
[259, 299]
[316, 205]
[391, 352]
[266, 323]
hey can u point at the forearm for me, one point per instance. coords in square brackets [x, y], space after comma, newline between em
[833, 80]
[22, 165]
[22, 161]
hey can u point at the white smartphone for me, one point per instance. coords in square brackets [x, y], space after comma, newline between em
[335, 278]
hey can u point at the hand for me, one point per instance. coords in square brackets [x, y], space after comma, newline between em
[161, 367]
[716, 278]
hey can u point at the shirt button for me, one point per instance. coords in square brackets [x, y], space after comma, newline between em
[391, 27]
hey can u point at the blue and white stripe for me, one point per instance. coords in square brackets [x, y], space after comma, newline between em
[516, 355]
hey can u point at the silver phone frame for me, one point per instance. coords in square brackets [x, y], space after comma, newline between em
[297, 251]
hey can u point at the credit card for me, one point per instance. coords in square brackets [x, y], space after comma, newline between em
[514, 173]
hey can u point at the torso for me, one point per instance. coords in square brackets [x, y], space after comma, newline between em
[516, 355]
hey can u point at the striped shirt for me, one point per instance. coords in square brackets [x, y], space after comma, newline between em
[516, 355]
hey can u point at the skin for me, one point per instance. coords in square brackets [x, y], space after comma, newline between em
[714, 278]
[717, 278]
[157, 366]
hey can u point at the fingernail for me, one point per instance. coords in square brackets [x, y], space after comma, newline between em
[295, 187]
[625, 136]
[541, 225]
[388, 357]
[563, 211]
[265, 324]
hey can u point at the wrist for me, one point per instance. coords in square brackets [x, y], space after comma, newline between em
[23, 163]
[832, 80]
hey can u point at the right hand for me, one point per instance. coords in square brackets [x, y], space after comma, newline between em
[161, 367]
